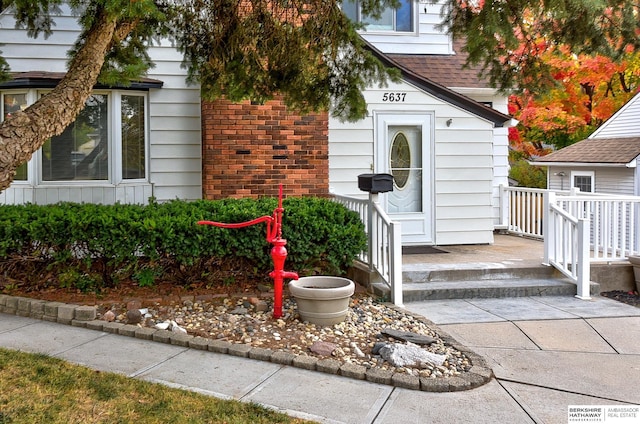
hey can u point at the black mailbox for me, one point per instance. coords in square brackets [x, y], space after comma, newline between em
[375, 183]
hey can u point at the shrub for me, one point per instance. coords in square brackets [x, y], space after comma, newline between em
[88, 246]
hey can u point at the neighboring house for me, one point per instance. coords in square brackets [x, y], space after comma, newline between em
[606, 162]
[441, 132]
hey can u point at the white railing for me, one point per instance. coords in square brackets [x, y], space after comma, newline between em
[521, 210]
[610, 221]
[566, 246]
[384, 251]
[614, 234]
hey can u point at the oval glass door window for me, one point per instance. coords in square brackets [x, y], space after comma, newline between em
[400, 159]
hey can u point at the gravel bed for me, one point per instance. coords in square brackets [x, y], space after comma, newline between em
[250, 321]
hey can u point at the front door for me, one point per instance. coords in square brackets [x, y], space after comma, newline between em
[404, 149]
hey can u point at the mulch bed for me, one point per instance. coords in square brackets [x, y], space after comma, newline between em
[628, 297]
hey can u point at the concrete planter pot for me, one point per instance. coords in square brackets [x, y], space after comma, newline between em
[635, 261]
[322, 300]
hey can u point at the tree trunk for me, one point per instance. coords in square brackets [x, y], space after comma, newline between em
[25, 132]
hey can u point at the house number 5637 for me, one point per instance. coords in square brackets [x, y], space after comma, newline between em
[393, 97]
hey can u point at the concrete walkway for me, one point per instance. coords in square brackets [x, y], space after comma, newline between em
[547, 353]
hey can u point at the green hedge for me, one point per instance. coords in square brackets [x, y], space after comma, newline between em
[89, 245]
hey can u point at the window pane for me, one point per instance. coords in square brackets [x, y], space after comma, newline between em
[583, 182]
[384, 23]
[13, 102]
[133, 137]
[404, 20]
[81, 152]
[350, 9]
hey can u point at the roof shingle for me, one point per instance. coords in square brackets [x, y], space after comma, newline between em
[597, 150]
[447, 70]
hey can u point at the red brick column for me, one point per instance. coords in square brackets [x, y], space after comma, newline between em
[248, 150]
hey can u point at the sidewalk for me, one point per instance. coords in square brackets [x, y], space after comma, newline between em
[547, 353]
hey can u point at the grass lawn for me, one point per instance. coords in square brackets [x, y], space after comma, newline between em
[36, 388]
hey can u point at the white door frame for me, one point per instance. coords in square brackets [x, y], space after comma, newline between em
[425, 219]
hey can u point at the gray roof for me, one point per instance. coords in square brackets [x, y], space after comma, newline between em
[596, 150]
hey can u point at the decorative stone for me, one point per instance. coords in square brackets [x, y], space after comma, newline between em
[323, 348]
[175, 328]
[375, 350]
[134, 316]
[409, 355]
[109, 316]
[163, 325]
[408, 336]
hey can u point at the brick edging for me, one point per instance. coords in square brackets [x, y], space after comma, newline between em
[85, 317]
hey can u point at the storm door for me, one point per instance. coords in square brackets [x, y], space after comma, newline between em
[405, 152]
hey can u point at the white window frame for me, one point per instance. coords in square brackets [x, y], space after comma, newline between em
[414, 22]
[30, 96]
[590, 174]
[114, 134]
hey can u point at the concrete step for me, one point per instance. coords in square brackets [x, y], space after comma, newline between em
[499, 288]
[481, 282]
[428, 275]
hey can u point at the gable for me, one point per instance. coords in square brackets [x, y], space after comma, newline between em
[623, 123]
[441, 92]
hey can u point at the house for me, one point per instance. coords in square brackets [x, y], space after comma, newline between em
[440, 132]
[606, 162]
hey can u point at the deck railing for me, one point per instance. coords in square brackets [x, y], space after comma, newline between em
[577, 228]
[384, 253]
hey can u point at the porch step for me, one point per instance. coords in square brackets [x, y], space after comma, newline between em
[415, 292]
[417, 275]
[483, 283]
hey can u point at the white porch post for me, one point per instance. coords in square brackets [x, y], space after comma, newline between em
[504, 207]
[371, 231]
[583, 261]
[395, 264]
[548, 233]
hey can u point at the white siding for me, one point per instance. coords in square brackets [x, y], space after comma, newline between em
[618, 180]
[174, 122]
[624, 123]
[462, 180]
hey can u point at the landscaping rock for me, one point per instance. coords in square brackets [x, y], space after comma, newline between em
[134, 316]
[407, 336]
[323, 348]
[410, 355]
